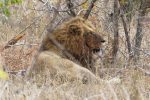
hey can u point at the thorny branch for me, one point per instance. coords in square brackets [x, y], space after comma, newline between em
[89, 9]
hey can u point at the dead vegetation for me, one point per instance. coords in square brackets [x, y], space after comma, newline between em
[122, 80]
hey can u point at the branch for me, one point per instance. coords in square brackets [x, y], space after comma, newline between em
[70, 7]
[126, 32]
[19, 36]
[41, 1]
[88, 11]
[115, 45]
[14, 40]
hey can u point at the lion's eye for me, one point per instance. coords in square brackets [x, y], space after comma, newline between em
[91, 33]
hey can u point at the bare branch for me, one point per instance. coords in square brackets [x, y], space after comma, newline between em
[88, 11]
[126, 32]
[70, 7]
[116, 34]
[14, 40]
[20, 35]
[41, 1]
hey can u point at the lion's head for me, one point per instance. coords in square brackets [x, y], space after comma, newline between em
[78, 37]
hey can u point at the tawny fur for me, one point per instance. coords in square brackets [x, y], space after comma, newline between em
[79, 39]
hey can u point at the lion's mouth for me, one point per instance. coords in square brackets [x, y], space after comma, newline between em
[96, 50]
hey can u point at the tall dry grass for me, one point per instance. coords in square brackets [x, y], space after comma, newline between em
[121, 81]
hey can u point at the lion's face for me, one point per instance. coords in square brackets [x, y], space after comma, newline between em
[76, 37]
[84, 36]
[93, 41]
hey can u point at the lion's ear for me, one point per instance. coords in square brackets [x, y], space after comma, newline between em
[75, 30]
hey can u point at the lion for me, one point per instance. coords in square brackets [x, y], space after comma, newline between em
[64, 51]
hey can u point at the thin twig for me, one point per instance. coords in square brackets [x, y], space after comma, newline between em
[41, 1]
[20, 35]
[88, 11]
[143, 51]
[146, 73]
[67, 54]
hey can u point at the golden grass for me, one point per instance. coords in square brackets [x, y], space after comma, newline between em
[123, 81]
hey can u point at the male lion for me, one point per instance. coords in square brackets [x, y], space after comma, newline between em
[65, 49]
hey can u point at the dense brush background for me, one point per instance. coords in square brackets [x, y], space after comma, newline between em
[123, 80]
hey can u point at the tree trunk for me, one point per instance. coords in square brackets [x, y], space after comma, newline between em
[127, 36]
[116, 35]
[139, 35]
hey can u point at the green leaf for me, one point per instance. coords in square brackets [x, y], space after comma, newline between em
[19, 1]
[1, 4]
[16, 1]
[6, 2]
[6, 11]
[4, 5]
[13, 2]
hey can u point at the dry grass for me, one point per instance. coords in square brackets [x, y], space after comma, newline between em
[132, 85]
[122, 81]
